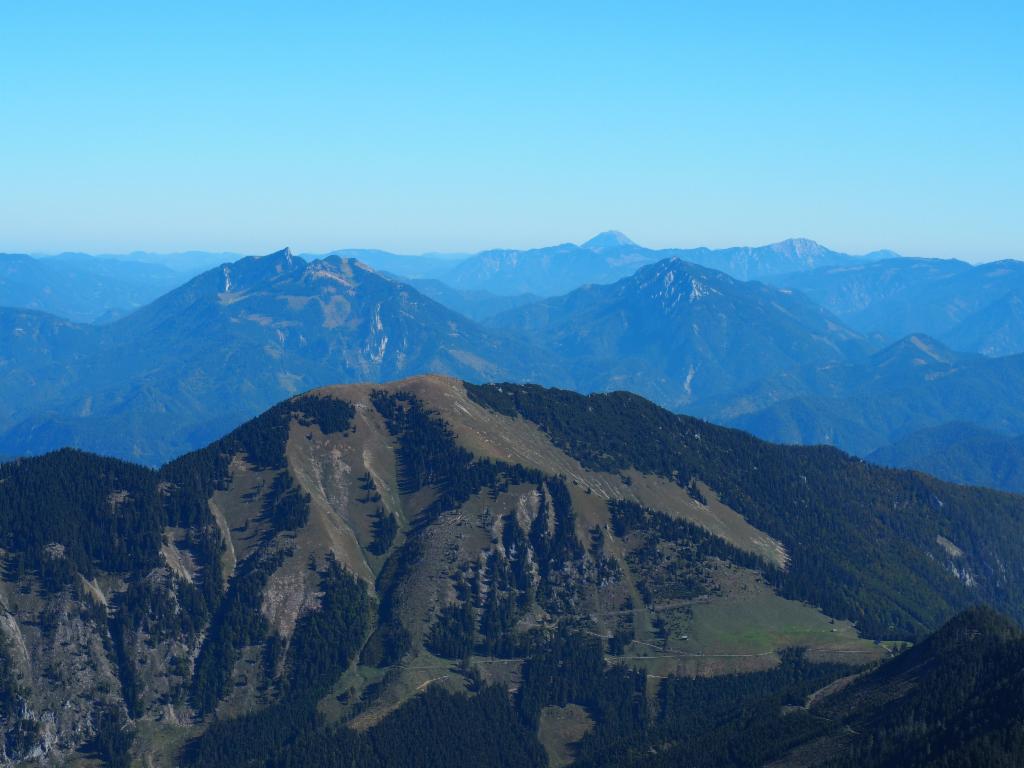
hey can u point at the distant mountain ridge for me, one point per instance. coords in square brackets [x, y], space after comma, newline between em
[478, 305]
[82, 288]
[995, 330]
[610, 256]
[961, 452]
[418, 267]
[971, 308]
[914, 384]
[544, 271]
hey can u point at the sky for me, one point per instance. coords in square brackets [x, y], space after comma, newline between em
[456, 127]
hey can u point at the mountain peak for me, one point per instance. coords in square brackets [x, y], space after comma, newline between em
[610, 239]
[344, 259]
[284, 253]
[881, 254]
[674, 280]
[799, 246]
[681, 267]
[345, 266]
[277, 261]
[918, 350]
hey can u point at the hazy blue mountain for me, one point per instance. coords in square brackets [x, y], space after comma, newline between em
[756, 263]
[39, 359]
[972, 308]
[963, 453]
[80, 287]
[995, 330]
[611, 256]
[861, 407]
[679, 333]
[423, 266]
[546, 271]
[228, 343]
[880, 295]
[87, 288]
[477, 305]
[189, 262]
[609, 240]
[234, 339]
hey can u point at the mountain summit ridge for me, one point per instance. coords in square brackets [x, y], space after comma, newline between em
[611, 238]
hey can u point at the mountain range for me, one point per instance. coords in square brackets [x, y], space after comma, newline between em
[970, 308]
[82, 288]
[961, 452]
[208, 355]
[430, 572]
[611, 256]
[213, 352]
[479, 305]
[914, 384]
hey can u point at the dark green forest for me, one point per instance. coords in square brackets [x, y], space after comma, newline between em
[862, 539]
[964, 709]
[862, 543]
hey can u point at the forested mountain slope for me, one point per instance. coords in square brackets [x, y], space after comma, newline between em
[429, 572]
[953, 700]
[962, 453]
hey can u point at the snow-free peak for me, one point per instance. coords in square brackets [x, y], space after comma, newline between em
[610, 239]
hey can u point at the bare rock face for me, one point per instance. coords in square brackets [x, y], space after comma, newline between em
[57, 649]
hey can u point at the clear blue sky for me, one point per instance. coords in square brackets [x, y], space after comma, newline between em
[439, 126]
